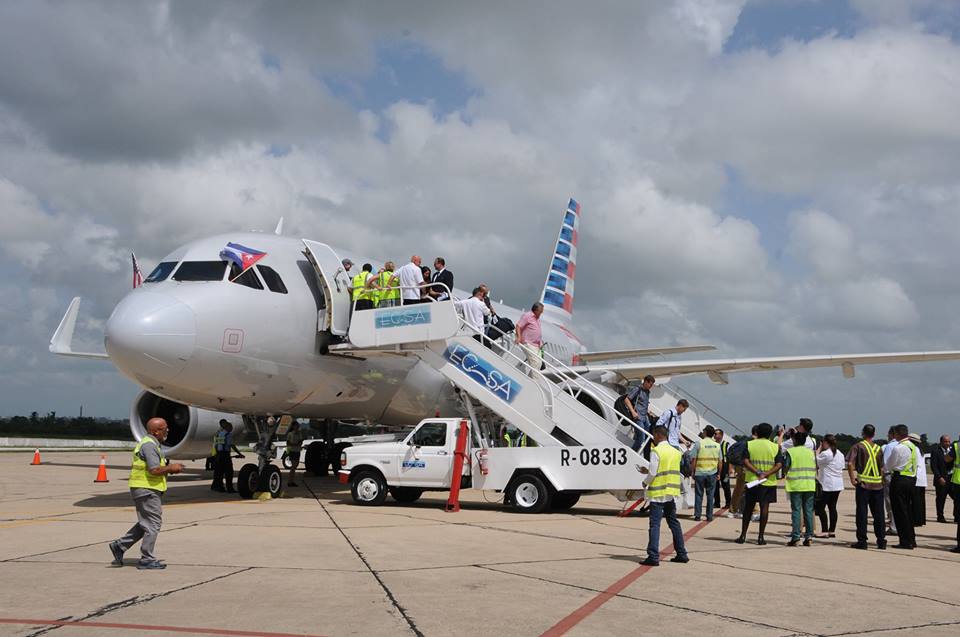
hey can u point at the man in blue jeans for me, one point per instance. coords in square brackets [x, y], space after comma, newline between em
[663, 480]
[706, 468]
[638, 404]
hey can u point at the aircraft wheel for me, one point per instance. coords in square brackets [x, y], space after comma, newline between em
[272, 480]
[247, 480]
[406, 495]
[368, 488]
[563, 500]
[529, 493]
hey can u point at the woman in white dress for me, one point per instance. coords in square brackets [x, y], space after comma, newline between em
[830, 465]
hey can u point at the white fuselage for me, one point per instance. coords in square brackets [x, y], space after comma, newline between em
[221, 345]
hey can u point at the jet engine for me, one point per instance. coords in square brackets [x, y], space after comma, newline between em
[191, 429]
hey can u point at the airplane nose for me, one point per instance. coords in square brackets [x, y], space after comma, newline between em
[151, 336]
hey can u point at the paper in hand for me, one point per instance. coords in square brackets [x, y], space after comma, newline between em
[754, 483]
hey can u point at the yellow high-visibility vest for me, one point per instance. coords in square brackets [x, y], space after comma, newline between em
[910, 469]
[708, 456]
[140, 477]
[802, 475]
[385, 293]
[871, 468]
[955, 479]
[359, 285]
[763, 455]
[667, 480]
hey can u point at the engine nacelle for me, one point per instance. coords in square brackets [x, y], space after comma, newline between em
[191, 430]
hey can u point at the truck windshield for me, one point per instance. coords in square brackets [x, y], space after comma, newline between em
[431, 434]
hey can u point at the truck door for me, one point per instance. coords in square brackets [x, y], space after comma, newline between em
[428, 458]
[336, 288]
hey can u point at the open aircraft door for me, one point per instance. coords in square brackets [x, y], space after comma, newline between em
[336, 287]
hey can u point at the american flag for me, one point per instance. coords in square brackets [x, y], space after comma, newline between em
[137, 272]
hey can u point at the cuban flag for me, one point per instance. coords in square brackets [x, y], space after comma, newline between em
[241, 255]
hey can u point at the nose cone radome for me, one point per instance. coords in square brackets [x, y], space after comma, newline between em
[150, 336]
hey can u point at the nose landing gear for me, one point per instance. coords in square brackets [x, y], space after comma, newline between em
[262, 477]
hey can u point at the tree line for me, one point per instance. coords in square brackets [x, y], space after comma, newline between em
[53, 426]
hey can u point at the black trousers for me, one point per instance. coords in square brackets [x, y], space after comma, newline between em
[725, 485]
[943, 490]
[223, 470]
[828, 500]
[919, 506]
[902, 493]
[871, 499]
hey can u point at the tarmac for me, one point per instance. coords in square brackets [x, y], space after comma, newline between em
[313, 563]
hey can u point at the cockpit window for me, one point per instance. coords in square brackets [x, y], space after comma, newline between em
[200, 271]
[248, 278]
[161, 272]
[272, 279]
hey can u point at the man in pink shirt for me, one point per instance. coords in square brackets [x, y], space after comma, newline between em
[529, 337]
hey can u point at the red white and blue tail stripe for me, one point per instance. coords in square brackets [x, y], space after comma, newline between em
[557, 295]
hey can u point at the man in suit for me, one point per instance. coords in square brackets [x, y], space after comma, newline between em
[441, 275]
[941, 473]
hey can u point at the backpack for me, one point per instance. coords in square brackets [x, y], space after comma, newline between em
[736, 453]
[620, 404]
[686, 465]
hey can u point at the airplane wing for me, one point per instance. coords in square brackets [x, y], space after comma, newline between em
[718, 369]
[62, 339]
[623, 354]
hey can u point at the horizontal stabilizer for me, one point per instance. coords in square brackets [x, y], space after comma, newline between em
[62, 339]
[718, 368]
[625, 354]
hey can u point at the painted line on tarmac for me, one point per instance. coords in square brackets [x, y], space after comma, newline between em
[148, 627]
[564, 625]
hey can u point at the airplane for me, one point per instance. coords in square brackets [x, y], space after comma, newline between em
[207, 338]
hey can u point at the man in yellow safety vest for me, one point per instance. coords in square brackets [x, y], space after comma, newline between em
[800, 466]
[865, 468]
[952, 458]
[360, 291]
[663, 487]
[148, 481]
[388, 284]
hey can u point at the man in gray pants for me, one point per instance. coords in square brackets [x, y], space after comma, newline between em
[148, 481]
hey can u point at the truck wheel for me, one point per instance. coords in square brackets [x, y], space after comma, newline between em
[247, 480]
[369, 488]
[563, 500]
[315, 460]
[406, 495]
[529, 494]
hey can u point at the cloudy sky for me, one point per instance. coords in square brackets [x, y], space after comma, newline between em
[771, 177]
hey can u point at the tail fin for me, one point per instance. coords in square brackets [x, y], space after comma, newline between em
[557, 297]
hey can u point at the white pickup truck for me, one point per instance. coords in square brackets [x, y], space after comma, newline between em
[533, 479]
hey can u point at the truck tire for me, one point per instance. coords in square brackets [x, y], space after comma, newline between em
[247, 480]
[564, 500]
[368, 488]
[528, 493]
[406, 495]
[315, 461]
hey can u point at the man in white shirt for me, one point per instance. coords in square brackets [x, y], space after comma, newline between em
[474, 309]
[671, 419]
[411, 281]
[903, 482]
[805, 425]
[888, 504]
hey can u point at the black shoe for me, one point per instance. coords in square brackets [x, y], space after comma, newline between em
[955, 549]
[882, 546]
[150, 566]
[942, 520]
[906, 547]
[807, 542]
[696, 518]
[793, 542]
[117, 554]
[214, 488]
[649, 562]
[680, 560]
[761, 541]
[230, 491]
[863, 546]
[740, 540]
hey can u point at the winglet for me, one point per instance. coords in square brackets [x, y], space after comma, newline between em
[61, 341]
[279, 228]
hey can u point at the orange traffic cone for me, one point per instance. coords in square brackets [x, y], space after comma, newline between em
[36, 457]
[102, 473]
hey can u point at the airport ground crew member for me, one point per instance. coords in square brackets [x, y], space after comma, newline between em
[724, 473]
[801, 483]
[763, 461]
[705, 467]
[294, 446]
[148, 482]
[389, 286]
[223, 463]
[663, 478]
[864, 466]
[361, 292]
[902, 465]
[952, 458]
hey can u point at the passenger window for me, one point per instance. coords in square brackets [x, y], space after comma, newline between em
[431, 434]
[161, 272]
[200, 271]
[248, 278]
[272, 279]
